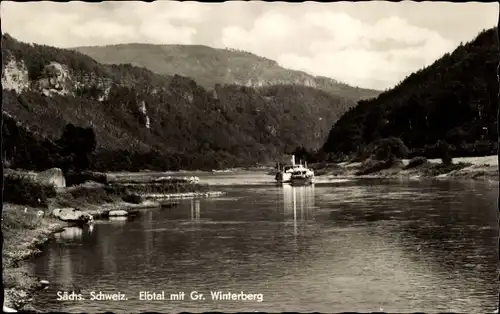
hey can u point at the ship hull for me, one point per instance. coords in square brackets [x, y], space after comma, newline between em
[283, 177]
[302, 181]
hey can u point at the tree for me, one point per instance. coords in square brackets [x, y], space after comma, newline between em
[301, 154]
[35, 69]
[79, 143]
[443, 150]
[449, 100]
[390, 149]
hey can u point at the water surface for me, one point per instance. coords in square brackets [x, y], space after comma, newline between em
[337, 246]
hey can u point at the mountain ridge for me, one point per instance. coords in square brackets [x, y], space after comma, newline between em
[142, 119]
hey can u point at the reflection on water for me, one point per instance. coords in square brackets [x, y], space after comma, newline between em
[298, 203]
[195, 209]
[118, 218]
[74, 233]
[344, 246]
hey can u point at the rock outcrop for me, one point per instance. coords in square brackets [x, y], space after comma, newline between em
[15, 76]
[52, 176]
[143, 111]
[55, 79]
[7, 309]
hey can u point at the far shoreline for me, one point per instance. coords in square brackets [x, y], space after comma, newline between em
[461, 169]
[474, 168]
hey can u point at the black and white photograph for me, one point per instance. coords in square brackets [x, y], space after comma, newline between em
[250, 156]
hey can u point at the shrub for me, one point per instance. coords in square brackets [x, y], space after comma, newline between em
[160, 188]
[362, 154]
[447, 160]
[133, 198]
[390, 148]
[18, 219]
[24, 190]
[370, 166]
[75, 178]
[439, 169]
[416, 162]
[93, 195]
[443, 149]
[80, 143]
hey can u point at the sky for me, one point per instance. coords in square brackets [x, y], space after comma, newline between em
[370, 44]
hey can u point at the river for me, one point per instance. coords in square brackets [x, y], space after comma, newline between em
[340, 245]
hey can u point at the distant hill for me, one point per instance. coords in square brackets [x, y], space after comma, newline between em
[453, 100]
[209, 66]
[146, 120]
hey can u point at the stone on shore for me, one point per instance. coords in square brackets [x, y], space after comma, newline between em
[43, 284]
[69, 214]
[52, 176]
[7, 309]
[118, 213]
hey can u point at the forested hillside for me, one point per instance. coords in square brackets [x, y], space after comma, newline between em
[453, 100]
[209, 66]
[145, 120]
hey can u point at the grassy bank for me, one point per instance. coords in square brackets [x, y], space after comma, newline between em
[25, 229]
[465, 168]
[28, 223]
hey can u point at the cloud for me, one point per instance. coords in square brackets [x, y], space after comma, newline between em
[339, 46]
[373, 44]
[78, 23]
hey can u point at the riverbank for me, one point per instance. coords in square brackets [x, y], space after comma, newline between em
[462, 168]
[26, 228]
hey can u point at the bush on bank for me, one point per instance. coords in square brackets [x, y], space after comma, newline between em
[76, 178]
[18, 219]
[158, 188]
[416, 162]
[370, 166]
[390, 148]
[24, 190]
[443, 168]
[133, 198]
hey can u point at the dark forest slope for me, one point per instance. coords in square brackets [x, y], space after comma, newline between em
[453, 100]
[146, 120]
